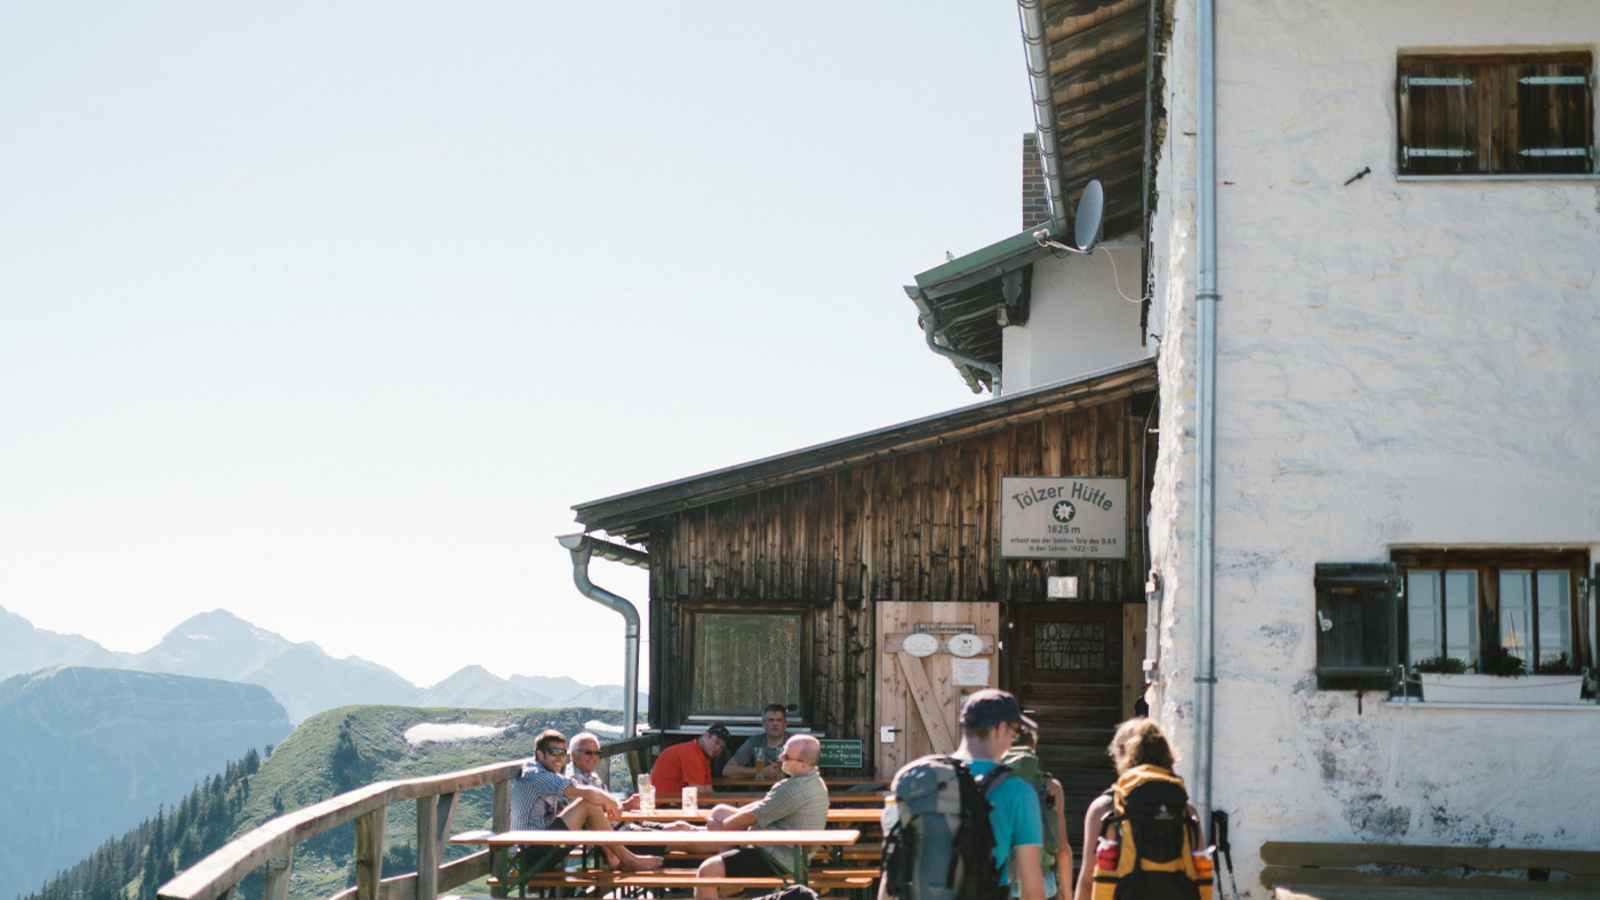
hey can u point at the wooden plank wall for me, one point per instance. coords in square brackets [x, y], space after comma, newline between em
[919, 525]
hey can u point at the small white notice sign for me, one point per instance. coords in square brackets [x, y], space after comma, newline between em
[1064, 518]
[966, 672]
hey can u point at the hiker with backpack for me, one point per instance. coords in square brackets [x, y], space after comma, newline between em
[961, 827]
[1141, 838]
[1055, 858]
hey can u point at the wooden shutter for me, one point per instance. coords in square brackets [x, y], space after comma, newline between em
[1438, 102]
[1357, 625]
[1554, 113]
[1495, 114]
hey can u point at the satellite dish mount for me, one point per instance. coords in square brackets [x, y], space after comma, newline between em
[1085, 225]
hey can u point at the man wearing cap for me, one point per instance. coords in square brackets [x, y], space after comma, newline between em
[688, 764]
[990, 722]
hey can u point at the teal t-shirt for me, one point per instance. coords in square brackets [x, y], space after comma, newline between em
[1013, 815]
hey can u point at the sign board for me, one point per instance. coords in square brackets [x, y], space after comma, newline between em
[920, 645]
[841, 753]
[1062, 517]
[944, 628]
[970, 672]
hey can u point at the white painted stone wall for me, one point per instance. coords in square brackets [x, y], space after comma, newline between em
[1077, 322]
[1400, 363]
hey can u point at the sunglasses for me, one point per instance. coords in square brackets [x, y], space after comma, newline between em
[555, 752]
[586, 753]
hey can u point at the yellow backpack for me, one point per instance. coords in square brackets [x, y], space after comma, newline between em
[1149, 846]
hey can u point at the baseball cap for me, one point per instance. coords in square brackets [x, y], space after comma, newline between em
[989, 707]
[720, 730]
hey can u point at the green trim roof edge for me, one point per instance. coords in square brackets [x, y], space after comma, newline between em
[999, 251]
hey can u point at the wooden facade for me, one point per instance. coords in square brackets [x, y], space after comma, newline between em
[912, 519]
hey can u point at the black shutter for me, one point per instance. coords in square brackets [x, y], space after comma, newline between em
[1357, 625]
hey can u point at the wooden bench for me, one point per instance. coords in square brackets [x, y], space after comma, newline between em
[1316, 871]
[692, 841]
[605, 880]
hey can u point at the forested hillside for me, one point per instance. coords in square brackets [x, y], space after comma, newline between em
[328, 754]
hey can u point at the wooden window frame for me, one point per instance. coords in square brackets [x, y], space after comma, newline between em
[691, 610]
[1486, 118]
[1488, 563]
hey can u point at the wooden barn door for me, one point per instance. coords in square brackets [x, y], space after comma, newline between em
[919, 696]
[1066, 662]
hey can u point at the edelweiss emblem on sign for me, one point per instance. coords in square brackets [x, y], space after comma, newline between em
[1064, 511]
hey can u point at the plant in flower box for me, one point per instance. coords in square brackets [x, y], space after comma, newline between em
[1502, 678]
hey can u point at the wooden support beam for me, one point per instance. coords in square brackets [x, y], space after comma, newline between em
[499, 821]
[369, 852]
[427, 848]
[276, 872]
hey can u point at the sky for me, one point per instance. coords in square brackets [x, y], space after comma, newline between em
[327, 313]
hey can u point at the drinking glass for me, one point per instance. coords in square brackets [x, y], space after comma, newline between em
[691, 799]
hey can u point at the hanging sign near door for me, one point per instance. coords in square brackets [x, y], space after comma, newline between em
[1064, 518]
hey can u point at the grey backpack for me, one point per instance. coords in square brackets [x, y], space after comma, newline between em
[941, 846]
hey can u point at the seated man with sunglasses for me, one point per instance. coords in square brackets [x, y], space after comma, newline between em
[544, 799]
[584, 757]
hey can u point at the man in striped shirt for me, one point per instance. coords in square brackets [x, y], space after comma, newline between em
[544, 799]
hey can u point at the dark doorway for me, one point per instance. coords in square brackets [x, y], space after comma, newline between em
[1066, 668]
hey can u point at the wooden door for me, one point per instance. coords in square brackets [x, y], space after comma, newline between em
[919, 697]
[1066, 667]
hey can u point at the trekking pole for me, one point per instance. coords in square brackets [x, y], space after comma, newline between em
[1219, 836]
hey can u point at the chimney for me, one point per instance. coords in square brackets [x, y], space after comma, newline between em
[1035, 202]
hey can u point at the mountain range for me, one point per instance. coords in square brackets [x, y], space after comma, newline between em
[301, 676]
[89, 752]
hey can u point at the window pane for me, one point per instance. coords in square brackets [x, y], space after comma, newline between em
[1555, 615]
[1516, 612]
[1422, 615]
[743, 662]
[1461, 615]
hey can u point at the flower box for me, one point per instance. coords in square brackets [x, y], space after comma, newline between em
[1471, 688]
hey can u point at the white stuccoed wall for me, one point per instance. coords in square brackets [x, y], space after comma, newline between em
[1399, 363]
[1077, 322]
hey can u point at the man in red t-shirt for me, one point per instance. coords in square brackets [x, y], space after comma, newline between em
[688, 763]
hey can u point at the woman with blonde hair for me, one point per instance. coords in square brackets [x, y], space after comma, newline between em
[1138, 742]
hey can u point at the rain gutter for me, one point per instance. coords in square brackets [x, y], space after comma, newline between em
[1031, 14]
[1206, 297]
[582, 547]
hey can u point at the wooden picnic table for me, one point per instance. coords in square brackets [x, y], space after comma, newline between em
[830, 780]
[833, 837]
[835, 798]
[855, 815]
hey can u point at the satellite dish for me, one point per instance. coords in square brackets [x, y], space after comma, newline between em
[1086, 225]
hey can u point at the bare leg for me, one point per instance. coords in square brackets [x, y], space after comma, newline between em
[582, 815]
[711, 868]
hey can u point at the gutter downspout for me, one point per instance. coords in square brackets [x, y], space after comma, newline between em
[1206, 297]
[1031, 14]
[581, 546]
[926, 321]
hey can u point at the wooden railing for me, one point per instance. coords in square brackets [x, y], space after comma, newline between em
[270, 847]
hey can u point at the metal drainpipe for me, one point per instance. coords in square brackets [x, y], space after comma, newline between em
[926, 321]
[1206, 297]
[1031, 14]
[581, 549]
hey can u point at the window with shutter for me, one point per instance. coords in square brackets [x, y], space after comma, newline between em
[1357, 629]
[1496, 114]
